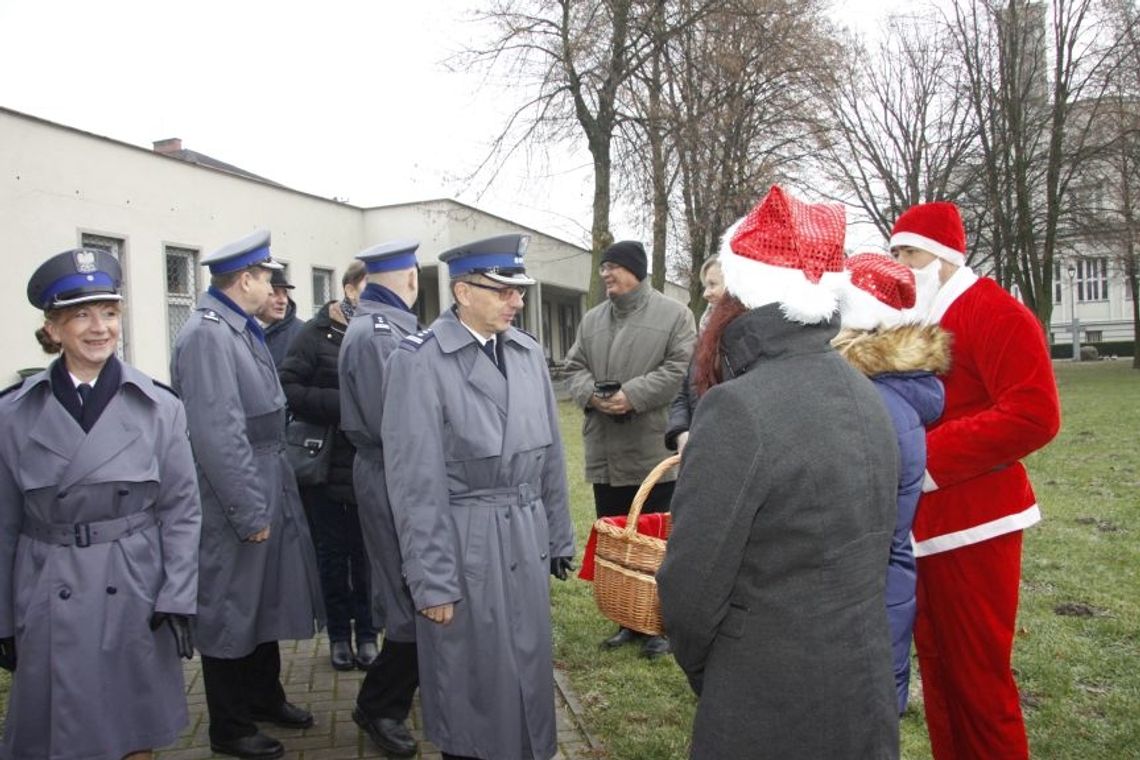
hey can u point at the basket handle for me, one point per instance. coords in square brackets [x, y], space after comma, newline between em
[642, 494]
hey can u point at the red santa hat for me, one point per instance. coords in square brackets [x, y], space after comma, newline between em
[935, 227]
[879, 289]
[788, 252]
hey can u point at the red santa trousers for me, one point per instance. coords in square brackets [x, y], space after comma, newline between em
[967, 609]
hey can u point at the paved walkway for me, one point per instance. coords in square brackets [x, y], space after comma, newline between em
[311, 682]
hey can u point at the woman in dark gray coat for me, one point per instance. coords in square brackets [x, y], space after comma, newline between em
[99, 526]
[772, 589]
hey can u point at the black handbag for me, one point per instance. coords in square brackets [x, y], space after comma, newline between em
[308, 447]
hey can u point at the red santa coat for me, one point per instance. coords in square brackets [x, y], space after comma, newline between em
[1001, 405]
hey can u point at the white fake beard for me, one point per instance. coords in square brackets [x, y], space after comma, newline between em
[926, 286]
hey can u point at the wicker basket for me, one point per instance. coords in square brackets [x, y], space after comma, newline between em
[624, 585]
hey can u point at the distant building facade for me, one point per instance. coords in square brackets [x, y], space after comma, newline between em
[159, 211]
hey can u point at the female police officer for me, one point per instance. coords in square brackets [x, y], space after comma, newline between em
[99, 525]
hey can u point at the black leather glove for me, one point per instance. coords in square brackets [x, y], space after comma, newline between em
[180, 627]
[560, 566]
[8, 654]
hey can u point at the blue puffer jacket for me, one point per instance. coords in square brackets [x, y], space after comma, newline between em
[903, 363]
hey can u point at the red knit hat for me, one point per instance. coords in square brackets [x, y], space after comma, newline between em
[935, 227]
[880, 290]
[788, 252]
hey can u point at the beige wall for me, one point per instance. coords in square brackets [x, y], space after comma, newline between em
[57, 183]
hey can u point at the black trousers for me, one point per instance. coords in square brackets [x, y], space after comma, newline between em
[343, 565]
[235, 689]
[391, 681]
[614, 501]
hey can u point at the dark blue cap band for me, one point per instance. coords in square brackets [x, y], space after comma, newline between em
[484, 262]
[391, 263]
[247, 259]
[81, 283]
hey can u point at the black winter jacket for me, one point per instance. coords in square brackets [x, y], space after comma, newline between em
[312, 389]
[681, 411]
[279, 335]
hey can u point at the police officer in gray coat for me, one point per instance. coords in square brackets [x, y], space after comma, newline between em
[258, 572]
[477, 482]
[383, 318]
[99, 524]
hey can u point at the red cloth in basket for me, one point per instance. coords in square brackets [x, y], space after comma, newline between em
[654, 524]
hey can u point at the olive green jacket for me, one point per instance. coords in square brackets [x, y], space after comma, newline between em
[643, 340]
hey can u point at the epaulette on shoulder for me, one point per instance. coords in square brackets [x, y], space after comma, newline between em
[380, 326]
[416, 341]
[10, 388]
[167, 388]
[211, 315]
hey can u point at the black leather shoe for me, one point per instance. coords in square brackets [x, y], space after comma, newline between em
[287, 715]
[623, 636]
[259, 747]
[388, 734]
[655, 646]
[340, 652]
[366, 653]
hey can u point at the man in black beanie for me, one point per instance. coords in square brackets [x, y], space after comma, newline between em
[629, 254]
[627, 363]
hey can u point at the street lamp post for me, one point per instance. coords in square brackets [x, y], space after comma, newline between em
[1075, 327]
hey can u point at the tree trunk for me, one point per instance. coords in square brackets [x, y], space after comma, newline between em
[600, 236]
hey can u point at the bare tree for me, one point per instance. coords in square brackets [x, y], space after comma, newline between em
[738, 88]
[1026, 65]
[578, 59]
[1106, 196]
[900, 132]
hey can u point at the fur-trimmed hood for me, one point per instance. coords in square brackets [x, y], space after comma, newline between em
[903, 362]
[910, 348]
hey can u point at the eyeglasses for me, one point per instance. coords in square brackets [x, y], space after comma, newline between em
[607, 267]
[504, 293]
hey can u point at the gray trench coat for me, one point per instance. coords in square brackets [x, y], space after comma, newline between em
[92, 680]
[247, 593]
[372, 336]
[478, 489]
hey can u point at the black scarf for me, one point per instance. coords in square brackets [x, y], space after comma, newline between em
[104, 389]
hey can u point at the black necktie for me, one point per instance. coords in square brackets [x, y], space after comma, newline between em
[84, 391]
[489, 350]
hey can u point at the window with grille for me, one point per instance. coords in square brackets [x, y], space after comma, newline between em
[181, 288]
[117, 248]
[1092, 279]
[322, 288]
[1094, 336]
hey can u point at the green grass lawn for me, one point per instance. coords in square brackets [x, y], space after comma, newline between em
[1077, 653]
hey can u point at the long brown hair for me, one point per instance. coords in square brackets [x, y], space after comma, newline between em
[706, 362]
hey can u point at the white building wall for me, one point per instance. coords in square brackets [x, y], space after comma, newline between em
[57, 183]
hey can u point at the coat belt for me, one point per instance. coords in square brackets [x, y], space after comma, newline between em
[520, 495]
[85, 534]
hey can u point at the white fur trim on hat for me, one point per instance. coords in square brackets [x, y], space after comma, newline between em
[914, 240]
[757, 284]
[859, 310]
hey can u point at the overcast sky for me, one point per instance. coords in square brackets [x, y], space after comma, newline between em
[341, 98]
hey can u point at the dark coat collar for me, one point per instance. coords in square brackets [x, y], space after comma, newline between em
[765, 333]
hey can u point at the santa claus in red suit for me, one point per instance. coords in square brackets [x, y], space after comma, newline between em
[1001, 404]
